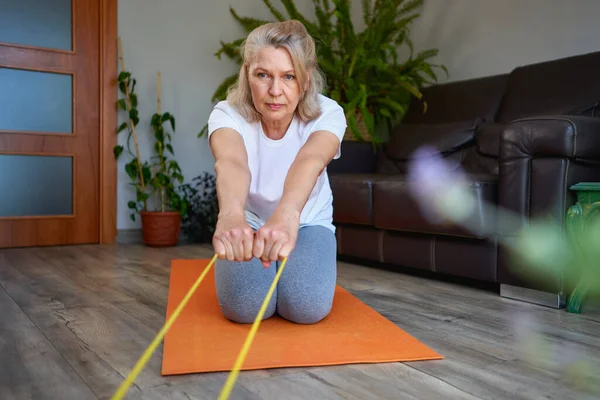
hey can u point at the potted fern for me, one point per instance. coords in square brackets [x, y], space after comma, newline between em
[158, 180]
[364, 71]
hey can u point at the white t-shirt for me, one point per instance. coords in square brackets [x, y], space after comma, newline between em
[269, 161]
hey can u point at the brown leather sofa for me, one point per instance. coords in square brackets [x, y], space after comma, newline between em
[523, 137]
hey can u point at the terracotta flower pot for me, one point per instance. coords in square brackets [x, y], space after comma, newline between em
[161, 229]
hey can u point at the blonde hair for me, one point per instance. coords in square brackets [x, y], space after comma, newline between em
[293, 36]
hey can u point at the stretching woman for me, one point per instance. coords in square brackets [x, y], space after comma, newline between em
[272, 140]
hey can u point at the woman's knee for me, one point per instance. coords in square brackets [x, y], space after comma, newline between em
[243, 307]
[241, 288]
[243, 313]
[304, 311]
[306, 290]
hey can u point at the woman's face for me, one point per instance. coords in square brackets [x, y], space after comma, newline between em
[275, 89]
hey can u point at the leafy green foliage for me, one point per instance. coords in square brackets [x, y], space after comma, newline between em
[364, 71]
[159, 177]
[167, 177]
[200, 223]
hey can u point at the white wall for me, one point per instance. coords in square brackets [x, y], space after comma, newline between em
[486, 37]
[475, 38]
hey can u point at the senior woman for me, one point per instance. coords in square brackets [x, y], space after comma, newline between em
[272, 139]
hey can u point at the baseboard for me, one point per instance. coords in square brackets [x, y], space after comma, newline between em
[553, 300]
[134, 236]
[129, 236]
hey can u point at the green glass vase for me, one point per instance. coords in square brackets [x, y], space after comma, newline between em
[583, 227]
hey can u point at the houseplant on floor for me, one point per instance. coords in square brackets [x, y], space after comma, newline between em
[200, 222]
[158, 180]
[365, 71]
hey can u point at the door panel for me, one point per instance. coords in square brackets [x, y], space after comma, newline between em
[36, 101]
[39, 177]
[50, 122]
[37, 23]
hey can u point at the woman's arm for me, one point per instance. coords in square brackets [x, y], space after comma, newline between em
[233, 236]
[277, 237]
[313, 158]
[231, 168]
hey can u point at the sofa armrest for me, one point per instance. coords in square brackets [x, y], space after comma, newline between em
[569, 137]
[540, 158]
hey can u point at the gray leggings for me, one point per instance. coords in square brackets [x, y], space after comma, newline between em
[304, 293]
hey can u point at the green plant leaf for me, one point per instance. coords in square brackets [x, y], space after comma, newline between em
[368, 119]
[133, 115]
[141, 196]
[279, 16]
[248, 23]
[134, 100]
[169, 117]
[353, 125]
[295, 14]
[122, 127]
[117, 151]
[146, 173]
[221, 91]
[231, 50]
[131, 169]
[123, 76]
[366, 5]
[410, 6]
[203, 131]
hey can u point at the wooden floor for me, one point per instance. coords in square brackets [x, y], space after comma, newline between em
[74, 320]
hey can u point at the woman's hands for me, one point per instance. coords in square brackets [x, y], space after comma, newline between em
[277, 237]
[233, 238]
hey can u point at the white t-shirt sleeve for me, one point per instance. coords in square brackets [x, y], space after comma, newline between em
[333, 120]
[222, 116]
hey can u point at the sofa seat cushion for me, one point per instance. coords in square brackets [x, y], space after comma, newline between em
[353, 197]
[394, 208]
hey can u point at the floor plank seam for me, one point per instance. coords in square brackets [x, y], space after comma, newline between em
[446, 382]
[51, 343]
[100, 359]
[115, 304]
[323, 381]
[60, 272]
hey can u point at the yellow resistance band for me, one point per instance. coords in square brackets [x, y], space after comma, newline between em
[228, 387]
[240, 359]
[148, 353]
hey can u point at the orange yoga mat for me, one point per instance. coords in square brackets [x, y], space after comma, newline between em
[203, 340]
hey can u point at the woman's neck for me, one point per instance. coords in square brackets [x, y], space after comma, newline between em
[276, 130]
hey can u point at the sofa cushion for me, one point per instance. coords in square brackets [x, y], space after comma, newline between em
[564, 86]
[353, 197]
[458, 101]
[446, 138]
[488, 138]
[394, 207]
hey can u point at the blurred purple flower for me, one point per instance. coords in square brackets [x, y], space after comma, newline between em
[434, 182]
